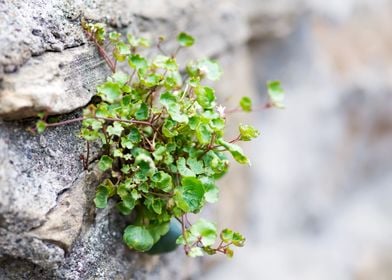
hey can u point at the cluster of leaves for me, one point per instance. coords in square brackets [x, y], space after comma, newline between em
[162, 137]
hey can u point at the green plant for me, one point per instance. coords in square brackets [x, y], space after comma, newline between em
[162, 137]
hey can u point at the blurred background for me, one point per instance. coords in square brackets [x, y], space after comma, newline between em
[321, 179]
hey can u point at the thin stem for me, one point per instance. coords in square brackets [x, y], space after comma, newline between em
[238, 109]
[98, 118]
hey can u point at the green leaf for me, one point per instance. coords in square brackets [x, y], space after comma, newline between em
[114, 36]
[89, 135]
[210, 69]
[124, 208]
[115, 129]
[142, 113]
[120, 77]
[185, 40]
[121, 51]
[205, 96]
[105, 163]
[205, 231]
[104, 191]
[195, 252]
[41, 126]
[138, 238]
[109, 91]
[276, 94]
[203, 134]
[163, 181]
[238, 239]
[246, 104]
[138, 62]
[169, 101]
[168, 128]
[134, 135]
[196, 165]
[101, 197]
[211, 192]
[183, 169]
[248, 132]
[158, 230]
[235, 151]
[192, 193]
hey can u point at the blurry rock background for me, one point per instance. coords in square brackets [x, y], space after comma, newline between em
[314, 205]
[320, 206]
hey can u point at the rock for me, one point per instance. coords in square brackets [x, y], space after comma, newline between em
[66, 83]
[65, 78]
[72, 204]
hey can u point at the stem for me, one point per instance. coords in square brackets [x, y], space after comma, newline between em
[267, 105]
[102, 52]
[98, 118]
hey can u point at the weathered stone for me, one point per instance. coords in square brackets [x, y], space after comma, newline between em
[73, 206]
[64, 80]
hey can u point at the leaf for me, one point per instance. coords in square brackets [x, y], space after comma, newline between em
[101, 197]
[210, 69]
[196, 165]
[142, 113]
[138, 62]
[41, 126]
[114, 36]
[238, 239]
[226, 235]
[158, 230]
[120, 77]
[109, 91]
[115, 129]
[195, 252]
[121, 51]
[138, 238]
[203, 134]
[134, 135]
[211, 194]
[192, 193]
[124, 208]
[185, 40]
[246, 104]
[235, 151]
[163, 181]
[248, 132]
[183, 169]
[105, 163]
[169, 101]
[205, 231]
[205, 96]
[276, 94]
[104, 191]
[168, 128]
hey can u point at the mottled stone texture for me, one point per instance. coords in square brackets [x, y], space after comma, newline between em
[49, 227]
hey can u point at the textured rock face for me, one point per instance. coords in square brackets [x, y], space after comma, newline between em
[33, 32]
[49, 228]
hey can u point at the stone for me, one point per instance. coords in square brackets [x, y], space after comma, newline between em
[64, 75]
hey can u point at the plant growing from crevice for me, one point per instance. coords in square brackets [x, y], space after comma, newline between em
[162, 137]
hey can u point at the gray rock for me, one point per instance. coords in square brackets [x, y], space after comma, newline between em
[64, 79]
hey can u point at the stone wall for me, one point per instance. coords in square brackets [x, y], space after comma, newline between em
[49, 227]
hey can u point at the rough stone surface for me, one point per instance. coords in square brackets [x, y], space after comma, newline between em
[63, 80]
